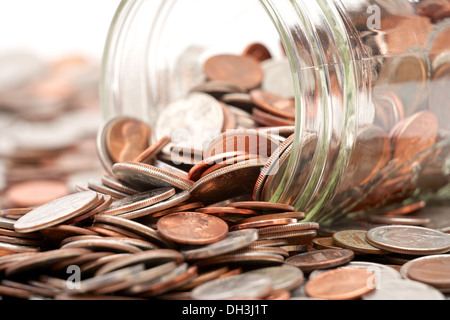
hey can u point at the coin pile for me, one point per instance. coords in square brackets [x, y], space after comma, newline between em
[49, 117]
[147, 231]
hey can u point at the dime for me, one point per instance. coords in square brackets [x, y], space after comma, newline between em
[252, 286]
[322, 259]
[283, 277]
[235, 240]
[192, 228]
[242, 71]
[431, 270]
[410, 240]
[355, 240]
[56, 212]
[340, 284]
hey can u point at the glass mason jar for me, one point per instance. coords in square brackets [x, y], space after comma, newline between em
[370, 78]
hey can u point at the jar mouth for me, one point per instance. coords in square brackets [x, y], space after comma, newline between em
[324, 74]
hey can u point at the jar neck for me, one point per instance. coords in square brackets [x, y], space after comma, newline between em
[330, 85]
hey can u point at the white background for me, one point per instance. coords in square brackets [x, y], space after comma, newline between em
[53, 28]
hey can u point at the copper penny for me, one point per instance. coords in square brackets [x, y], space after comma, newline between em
[197, 170]
[263, 206]
[61, 232]
[36, 193]
[409, 240]
[405, 150]
[257, 51]
[180, 208]
[404, 210]
[243, 141]
[145, 177]
[231, 161]
[242, 71]
[226, 210]
[192, 228]
[56, 212]
[204, 277]
[149, 154]
[355, 240]
[127, 138]
[340, 284]
[432, 270]
[324, 243]
[232, 181]
[270, 120]
[322, 259]
[263, 223]
[274, 104]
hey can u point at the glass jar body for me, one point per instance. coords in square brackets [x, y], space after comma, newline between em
[369, 79]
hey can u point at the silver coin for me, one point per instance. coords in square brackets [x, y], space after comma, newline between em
[251, 286]
[278, 78]
[145, 177]
[410, 240]
[398, 289]
[19, 68]
[138, 201]
[6, 223]
[191, 122]
[56, 212]
[163, 205]
[235, 240]
[283, 277]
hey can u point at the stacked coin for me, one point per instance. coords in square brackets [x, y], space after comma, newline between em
[49, 119]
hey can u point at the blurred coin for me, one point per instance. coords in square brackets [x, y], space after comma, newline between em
[150, 258]
[267, 119]
[278, 78]
[192, 228]
[241, 286]
[36, 193]
[283, 277]
[432, 270]
[257, 51]
[355, 240]
[245, 259]
[240, 70]
[404, 290]
[204, 277]
[264, 206]
[223, 211]
[293, 215]
[410, 240]
[145, 177]
[392, 219]
[263, 223]
[274, 104]
[56, 212]
[322, 259]
[235, 240]
[118, 185]
[404, 210]
[218, 88]
[41, 260]
[340, 284]
[103, 244]
[439, 94]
